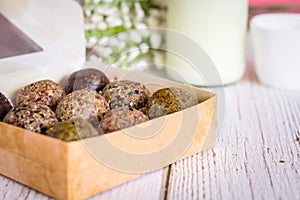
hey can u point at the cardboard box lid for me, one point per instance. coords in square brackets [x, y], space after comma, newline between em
[54, 31]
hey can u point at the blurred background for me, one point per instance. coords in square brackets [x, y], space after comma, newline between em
[106, 21]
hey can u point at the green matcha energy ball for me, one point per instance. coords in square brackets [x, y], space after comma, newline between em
[169, 100]
[72, 130]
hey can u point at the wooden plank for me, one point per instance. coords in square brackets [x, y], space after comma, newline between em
[146, 187]
[10, 189]
[257, 154]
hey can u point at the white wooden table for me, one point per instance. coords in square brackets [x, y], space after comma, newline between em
[257, 155]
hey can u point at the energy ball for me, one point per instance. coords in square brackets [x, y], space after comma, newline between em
[95, 122]
[45, 92]
[86, 79]
[33, 117]
[126, 93]
[144, 110]
[84, 103]
[72, 130]
[5, 106]
[169, 100]
[121, 118]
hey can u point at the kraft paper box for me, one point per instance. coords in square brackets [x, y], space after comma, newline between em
[80, 169]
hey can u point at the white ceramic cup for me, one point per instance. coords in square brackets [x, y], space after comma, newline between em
[276, 48]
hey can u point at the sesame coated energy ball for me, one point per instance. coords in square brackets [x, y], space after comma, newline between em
[45, 92]
[72, 130]
[84, 103]
[126, 93]
[121, 118]
[169, 100]
[5, 106]
[33, 117]
[86, 78]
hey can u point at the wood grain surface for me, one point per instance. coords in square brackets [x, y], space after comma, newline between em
[257, 155]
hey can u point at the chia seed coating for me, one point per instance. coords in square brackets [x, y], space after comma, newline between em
[126, 93]
[45, 92]
[121, 118]
[33, 117]
[169, 100]
[86, 79]
[5, 106]
[84, 103]
[72, 130]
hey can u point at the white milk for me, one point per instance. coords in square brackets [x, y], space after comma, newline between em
[219, 27]
[276, 48]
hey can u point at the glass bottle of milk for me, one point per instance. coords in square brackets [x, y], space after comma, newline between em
[219, 28]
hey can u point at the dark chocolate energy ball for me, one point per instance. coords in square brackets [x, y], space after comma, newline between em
[5, 106]
[126, 93]
[86, 78]
[45, 92]
[121, 118]
[33, 117]
[71, 130]
[85, 103]
[169, 100]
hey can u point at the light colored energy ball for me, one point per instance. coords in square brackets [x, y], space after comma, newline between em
[33, 117]
[85, 103]
[45, 92]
